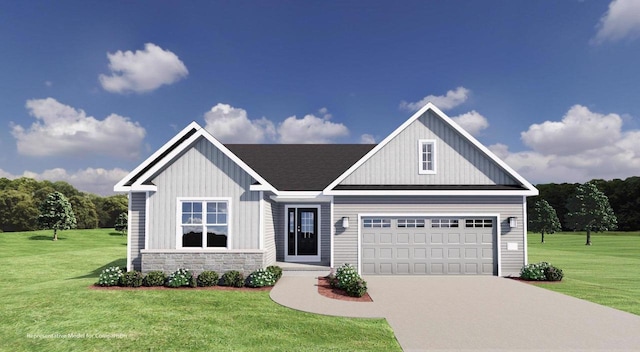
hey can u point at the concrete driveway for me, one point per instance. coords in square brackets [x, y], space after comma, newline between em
[475, 314]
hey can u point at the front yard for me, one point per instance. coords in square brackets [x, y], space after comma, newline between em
[47, 306]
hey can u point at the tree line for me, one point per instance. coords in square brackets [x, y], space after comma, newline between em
[623, 196]
[20, 201]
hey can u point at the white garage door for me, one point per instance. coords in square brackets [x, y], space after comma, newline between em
[428, 245]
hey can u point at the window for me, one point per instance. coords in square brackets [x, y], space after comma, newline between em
[410, 222]
[370, 223]
[427, 156]
[478, 223]
[438, 223]
[201, 217]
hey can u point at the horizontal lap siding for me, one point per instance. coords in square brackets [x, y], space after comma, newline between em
[346, 240]
[269, 232]
[137, 231]
[458, 161]
[203, 171]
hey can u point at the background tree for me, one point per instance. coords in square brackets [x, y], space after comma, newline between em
[18, 211]
[85, 212]
[589, 210]
[122, 223]
[108, 208]
[544, 219]
[56, 214]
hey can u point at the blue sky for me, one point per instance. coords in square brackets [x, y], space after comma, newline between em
[90, 89]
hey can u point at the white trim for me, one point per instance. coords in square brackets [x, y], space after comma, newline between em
[302, 258]
[332, 233]
[129, 259]
[203, 250]
[412, 214]
[430, 193]
[298, 196]
[147, 201]
[178, 218]
[525, 223]
[530, 189]
[200, 132]
[261, 221]
[434, 157]
[259, 188]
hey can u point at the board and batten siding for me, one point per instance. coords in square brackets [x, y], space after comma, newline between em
[203, 171]
[345, 248]
[136, 231]
[458, 161]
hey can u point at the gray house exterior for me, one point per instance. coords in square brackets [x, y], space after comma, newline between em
[427, 200]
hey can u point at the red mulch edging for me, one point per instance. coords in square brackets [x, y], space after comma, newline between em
[326, 290]
[210, 288]
[532, 281]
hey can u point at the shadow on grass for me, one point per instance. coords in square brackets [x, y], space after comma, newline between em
[122, 262]
[45, 238]
[116, 234]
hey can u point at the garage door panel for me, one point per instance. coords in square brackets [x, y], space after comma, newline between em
[427, 250]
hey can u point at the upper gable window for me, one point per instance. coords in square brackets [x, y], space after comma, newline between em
[427, 156]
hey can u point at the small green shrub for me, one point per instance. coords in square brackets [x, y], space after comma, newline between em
[154, 278]
[345, 275]
[232, 278]
[276, 271]
[110, 276]
[542, 271]
[208, 278]
[179, 278]
[131, 279]
[261, 278]
[356, 288]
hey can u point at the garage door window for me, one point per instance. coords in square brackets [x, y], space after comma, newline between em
[478, 223]
[410, 222]
[371, 223]
[439, 223]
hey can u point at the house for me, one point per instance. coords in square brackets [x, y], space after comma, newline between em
[428, 199]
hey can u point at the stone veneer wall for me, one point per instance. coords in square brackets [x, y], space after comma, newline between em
[245, 262]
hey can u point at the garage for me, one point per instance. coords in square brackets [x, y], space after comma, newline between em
[406, 245]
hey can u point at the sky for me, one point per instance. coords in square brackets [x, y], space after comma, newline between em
[90, 89]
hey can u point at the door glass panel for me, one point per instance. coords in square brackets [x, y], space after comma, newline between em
[291, 233]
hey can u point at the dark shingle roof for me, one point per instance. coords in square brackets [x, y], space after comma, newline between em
[300, 167]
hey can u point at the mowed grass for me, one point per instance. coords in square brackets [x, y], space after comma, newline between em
[608, 272]
[46, 305]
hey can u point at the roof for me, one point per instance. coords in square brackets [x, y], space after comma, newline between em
[300, 167]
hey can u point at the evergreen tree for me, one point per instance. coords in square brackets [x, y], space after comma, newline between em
[122, 223]
[56, 214]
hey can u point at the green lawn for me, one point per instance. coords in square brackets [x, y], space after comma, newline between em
[608, 272]
[46, 305]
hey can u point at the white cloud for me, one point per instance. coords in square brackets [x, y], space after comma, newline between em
[61, 130]
[142, 71]
[473, 122]
[452, 99]
[231, 125]
[367, 139]
[99, 181]
[310, 129]
[620, 21]
[579, 130]
[583, 146]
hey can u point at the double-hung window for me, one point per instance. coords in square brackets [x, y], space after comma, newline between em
[204, 223]
[427, 156]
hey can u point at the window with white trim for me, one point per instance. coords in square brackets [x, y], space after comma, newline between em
[372, 222]
[410, 222]
[427, 156]
[478, 223]
[204, 223]
[442, 223]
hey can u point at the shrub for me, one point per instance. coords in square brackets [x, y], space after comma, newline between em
[276, 271]
[154, 278]
[232, 278]
[208, 278]
[110, 276]
[261, 278]
[131, 279]
[542, 271]
[344, 276]
[179, 278]
[356, 288]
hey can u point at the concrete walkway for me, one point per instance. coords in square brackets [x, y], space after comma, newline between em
[474, 314]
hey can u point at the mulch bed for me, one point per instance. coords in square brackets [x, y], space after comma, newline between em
[210, 288]
[516, 278]
[326, 290]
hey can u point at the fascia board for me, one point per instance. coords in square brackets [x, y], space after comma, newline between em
[431, 193]
[120, 186]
